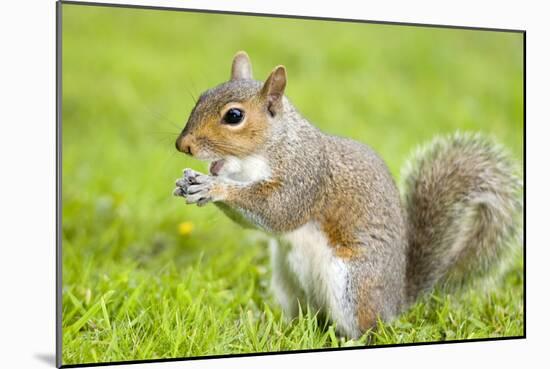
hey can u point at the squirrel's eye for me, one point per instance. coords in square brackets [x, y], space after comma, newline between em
[233, 116]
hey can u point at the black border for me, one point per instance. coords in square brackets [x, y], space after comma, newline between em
[58, 91]
[58, 197]
[524, 184]
[305, 351]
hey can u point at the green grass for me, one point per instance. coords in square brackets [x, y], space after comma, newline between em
[134, 287]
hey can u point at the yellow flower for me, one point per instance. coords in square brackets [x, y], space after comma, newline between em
[185, 228]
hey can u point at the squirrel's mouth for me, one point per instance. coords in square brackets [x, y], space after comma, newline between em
[216, 166]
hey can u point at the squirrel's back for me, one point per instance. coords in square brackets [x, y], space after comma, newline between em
[364, 216]
[457, 219]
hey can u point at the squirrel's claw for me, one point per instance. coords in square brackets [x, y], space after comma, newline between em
[198, 194]
[195, 187]
[193, 177]
[182, 182]
[178, 191]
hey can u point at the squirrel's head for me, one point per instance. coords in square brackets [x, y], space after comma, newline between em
[233, 118]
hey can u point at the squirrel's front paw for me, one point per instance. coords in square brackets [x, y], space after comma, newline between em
[196, 187]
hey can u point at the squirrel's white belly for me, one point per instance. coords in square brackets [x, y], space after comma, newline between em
[307, 263]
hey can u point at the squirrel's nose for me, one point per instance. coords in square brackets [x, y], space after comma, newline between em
[182, 144]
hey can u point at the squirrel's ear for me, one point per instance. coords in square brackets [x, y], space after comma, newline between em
[274, 89]
[241, 67]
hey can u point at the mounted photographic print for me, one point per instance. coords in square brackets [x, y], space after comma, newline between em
[235, 184]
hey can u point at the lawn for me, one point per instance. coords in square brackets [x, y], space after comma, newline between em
[145, 276]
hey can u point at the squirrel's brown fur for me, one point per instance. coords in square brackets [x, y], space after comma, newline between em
[349, 247]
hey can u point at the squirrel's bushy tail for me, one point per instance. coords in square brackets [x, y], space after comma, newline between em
[462, 195]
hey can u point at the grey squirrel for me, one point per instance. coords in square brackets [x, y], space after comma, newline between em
[344, 240]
